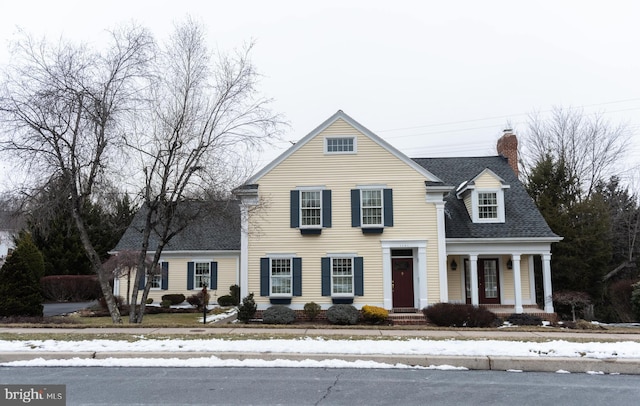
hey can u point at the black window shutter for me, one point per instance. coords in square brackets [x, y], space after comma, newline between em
[190, 275]
[355, 207]
[165, 275]
[297, 276]
[358, 276]
[264, 276]
[141, 280]
[214, 276]
[388, 207]
[326, 276]
[295, 208]
[326, 208]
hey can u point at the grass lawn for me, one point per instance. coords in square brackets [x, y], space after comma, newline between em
[149, 320]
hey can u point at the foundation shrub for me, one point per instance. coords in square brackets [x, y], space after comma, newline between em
[227, 300]
[374, 314]
[311, 310]
[174, 298]
[343, 314]
[234, 292]
[278, 314]
[459, 315]
[247, 310]
[524, 319]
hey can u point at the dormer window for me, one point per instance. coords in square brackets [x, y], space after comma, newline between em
[488, 206]
[340, 145]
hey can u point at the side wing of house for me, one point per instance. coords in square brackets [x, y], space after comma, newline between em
[342, 218]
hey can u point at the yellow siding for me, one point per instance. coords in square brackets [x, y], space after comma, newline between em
[309, 166]
[487, 181]
[454, 278]
[468, 203]
[508, 285]
[228, 268]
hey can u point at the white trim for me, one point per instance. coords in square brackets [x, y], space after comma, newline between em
[352, 257]
[532, 280]
[244, 251]
[475, 206]
[328, 122]
[372, 189]
[281, 256]
[420, 270]
[442, 253]
[334, 137]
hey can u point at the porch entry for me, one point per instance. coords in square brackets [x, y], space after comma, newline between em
[488, 281]
[402, 279]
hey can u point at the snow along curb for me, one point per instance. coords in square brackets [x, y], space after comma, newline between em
[497, 363]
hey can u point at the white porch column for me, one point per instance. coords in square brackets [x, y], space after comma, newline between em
[532, 280]
[473, 262]
[244, 250]
[422, 276]
[546, 277]
[387, 293]
[442, 254]
[515, 260]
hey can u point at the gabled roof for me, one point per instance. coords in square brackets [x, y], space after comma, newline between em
[522, 218]
[212, 226]
[328, 122]
[471, 183]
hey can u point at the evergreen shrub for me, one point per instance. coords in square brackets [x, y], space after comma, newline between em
[311, 310]
[247, 310]
[374, 314]
[165, 304]
[226, 300]
[174, 298]
[234, 292]
[524, 319]
[343, 314]
[20, 281]
[459, 315]
[278, 314]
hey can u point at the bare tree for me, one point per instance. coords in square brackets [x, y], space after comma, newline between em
[589, 146]
[60, 111]
[204, 112]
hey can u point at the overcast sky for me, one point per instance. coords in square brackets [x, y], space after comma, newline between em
[432, 78]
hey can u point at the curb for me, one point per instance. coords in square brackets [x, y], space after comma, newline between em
[490, 363]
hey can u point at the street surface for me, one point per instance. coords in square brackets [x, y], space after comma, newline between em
[315, 386]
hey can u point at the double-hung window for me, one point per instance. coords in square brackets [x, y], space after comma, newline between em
[310, 208]
[341, 276]
[487, 205]
[202, 274]
[371, 201]
[156, 281]
[281, 276]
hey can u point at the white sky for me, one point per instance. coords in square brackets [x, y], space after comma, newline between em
[432, 78]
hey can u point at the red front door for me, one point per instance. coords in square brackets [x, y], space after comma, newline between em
[402, 282]
[488, 281]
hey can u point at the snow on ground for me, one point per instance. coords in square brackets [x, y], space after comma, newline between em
[308, 345]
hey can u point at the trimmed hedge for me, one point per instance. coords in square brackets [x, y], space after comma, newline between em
[278, 314]
[175, 298]
[70, 288]
[226, 300]
[311, 310]
[343, 314]
[374, 314]
[524, 319]
[459, 315]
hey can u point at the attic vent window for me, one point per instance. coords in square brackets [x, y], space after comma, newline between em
[340, 145]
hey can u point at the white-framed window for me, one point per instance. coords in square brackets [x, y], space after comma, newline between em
[202, 274]
[340, 145]
[310, 208]
[155, 281]
[488, 206]
[280, 273]
[371, 207]
[342, 276]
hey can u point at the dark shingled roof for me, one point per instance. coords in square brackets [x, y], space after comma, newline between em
[212, 226]
[522, 218]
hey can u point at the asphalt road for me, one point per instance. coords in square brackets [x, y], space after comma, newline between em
[316, 386]
[56, 309]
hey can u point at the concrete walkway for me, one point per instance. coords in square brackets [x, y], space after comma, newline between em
[501, 363]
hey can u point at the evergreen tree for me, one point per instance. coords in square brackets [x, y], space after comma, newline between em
[20, 280]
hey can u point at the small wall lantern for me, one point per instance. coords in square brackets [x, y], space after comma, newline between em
[509, 264]
[454, 265]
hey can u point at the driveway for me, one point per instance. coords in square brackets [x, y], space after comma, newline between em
[56, 309]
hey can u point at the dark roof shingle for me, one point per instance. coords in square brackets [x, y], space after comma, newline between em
[522, 218]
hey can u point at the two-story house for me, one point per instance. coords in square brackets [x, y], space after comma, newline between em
[344, 217]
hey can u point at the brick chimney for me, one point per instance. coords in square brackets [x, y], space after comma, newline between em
[508, 147]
